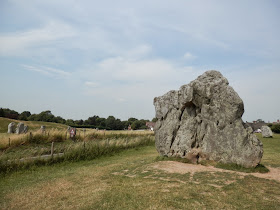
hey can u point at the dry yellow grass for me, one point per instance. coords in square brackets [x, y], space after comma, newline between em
[82, 188]
[17, 139]
[53, 133]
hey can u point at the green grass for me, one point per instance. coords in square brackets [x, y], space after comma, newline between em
[271, 156]
[31, 150]
[33, 125]
[9, 160]
[126, 181]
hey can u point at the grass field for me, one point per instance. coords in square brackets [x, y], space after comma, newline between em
[128, 180]
[271, 146]
[29, 150]
[32, 125]
[58, 133]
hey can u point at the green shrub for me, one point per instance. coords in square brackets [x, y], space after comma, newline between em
[275, 128]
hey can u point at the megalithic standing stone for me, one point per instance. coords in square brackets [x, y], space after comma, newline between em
[11, 127]
[202, 121]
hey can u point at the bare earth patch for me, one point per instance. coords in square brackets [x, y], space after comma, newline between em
[183, 168]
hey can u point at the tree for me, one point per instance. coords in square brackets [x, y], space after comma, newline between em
[59, 119]
[1, 112]
[92, 120]
[118, 124]
[24, 115]
[70, 122]
[101, 122]
[125, 124]
[110, 123]
[8, 113]
[45, 116]
[32, 117]
[131, 120]
[79, 122]
[136, 125]
[154, 119]
[275, 128]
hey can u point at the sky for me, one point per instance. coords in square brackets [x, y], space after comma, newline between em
[88, 57]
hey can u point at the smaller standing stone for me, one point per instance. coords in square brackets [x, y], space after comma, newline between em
[43, 129]
[20, 128]
[25, 129]
[11, 127]
[266, 132]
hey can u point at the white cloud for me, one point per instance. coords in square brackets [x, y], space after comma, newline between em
[121, 100]
[21, 43]
[129, 70]
[189, 56]
[136, 78]
[91, 84]
[48, 71]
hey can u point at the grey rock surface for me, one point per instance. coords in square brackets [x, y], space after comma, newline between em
[25, 129]
[20, 128]
[202, 121]
[11, 127]
[266, 132]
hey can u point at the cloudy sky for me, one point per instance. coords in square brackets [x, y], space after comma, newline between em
[85, 58]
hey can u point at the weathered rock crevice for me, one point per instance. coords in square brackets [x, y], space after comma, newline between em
[202, 120]
[174, 135]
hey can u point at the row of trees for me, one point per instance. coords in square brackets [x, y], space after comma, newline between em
[109, 123]
[274, 127]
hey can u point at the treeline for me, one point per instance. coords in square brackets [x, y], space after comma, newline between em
[109, 123]
[274, 127]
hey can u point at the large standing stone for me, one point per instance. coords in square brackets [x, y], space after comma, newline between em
[20, 128]
[11, 127]
[202, 120]
[266, 132]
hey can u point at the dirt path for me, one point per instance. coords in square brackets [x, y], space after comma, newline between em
[183, 168]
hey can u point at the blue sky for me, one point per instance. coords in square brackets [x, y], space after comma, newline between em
[85, 58]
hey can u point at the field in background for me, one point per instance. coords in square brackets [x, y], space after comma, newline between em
[54, 132]
[55, 145]
[33, 125]
[61, 135]
[26, 150]
[271, 156]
